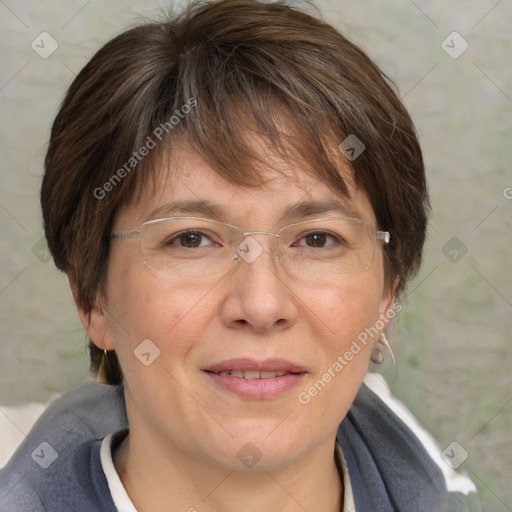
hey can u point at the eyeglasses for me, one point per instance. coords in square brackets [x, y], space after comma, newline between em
[194, 248]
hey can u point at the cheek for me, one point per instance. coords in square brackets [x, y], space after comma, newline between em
[345, 315]
[347, 309]
[143, 307]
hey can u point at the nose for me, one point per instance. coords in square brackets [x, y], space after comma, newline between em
[259, 298]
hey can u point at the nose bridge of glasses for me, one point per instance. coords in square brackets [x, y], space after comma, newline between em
[246, 234]
[250, 245]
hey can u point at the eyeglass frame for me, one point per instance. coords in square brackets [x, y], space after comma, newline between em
[135, 234]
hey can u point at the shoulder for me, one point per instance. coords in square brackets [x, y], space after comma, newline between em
[58, 482]
[58, 467]
[393, 462]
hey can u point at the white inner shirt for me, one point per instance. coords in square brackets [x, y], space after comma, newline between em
[124, 504]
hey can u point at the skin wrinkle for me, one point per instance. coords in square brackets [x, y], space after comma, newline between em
[273, 96]
[293, 212]
[254, 311]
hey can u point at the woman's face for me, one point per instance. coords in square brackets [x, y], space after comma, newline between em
[173, 337]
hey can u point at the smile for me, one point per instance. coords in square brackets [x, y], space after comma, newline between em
[255, 379]
[252, 374]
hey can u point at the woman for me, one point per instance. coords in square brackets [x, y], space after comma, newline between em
[237, 197]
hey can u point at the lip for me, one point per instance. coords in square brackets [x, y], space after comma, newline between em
[245, 363]
[256, 389]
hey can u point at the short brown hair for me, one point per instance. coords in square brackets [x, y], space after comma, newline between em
[236, 64]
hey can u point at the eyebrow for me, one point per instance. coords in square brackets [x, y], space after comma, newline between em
[308, 208]
[293, 211]
[199, 207]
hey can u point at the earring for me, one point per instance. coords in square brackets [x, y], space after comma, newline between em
[377, 355]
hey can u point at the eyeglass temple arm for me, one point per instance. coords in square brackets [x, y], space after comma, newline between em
[384, 235]
[131, 235]
[124, 235]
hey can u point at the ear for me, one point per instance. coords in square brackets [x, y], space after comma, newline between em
[387, 306]
[94, 320]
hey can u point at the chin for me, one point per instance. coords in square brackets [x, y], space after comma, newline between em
[256, 445]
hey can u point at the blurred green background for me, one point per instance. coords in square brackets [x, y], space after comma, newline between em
[452, 341]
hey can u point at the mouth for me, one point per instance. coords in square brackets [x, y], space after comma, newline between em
[253, 374]
[253, 379]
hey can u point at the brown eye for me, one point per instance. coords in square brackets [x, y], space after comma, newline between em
[190, 240]
[316, 239]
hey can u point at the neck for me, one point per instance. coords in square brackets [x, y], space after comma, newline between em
[168, 479]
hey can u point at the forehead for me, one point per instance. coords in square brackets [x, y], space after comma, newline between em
[188, 185]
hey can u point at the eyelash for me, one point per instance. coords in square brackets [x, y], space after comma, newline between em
[334, 238]
[177, 236]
